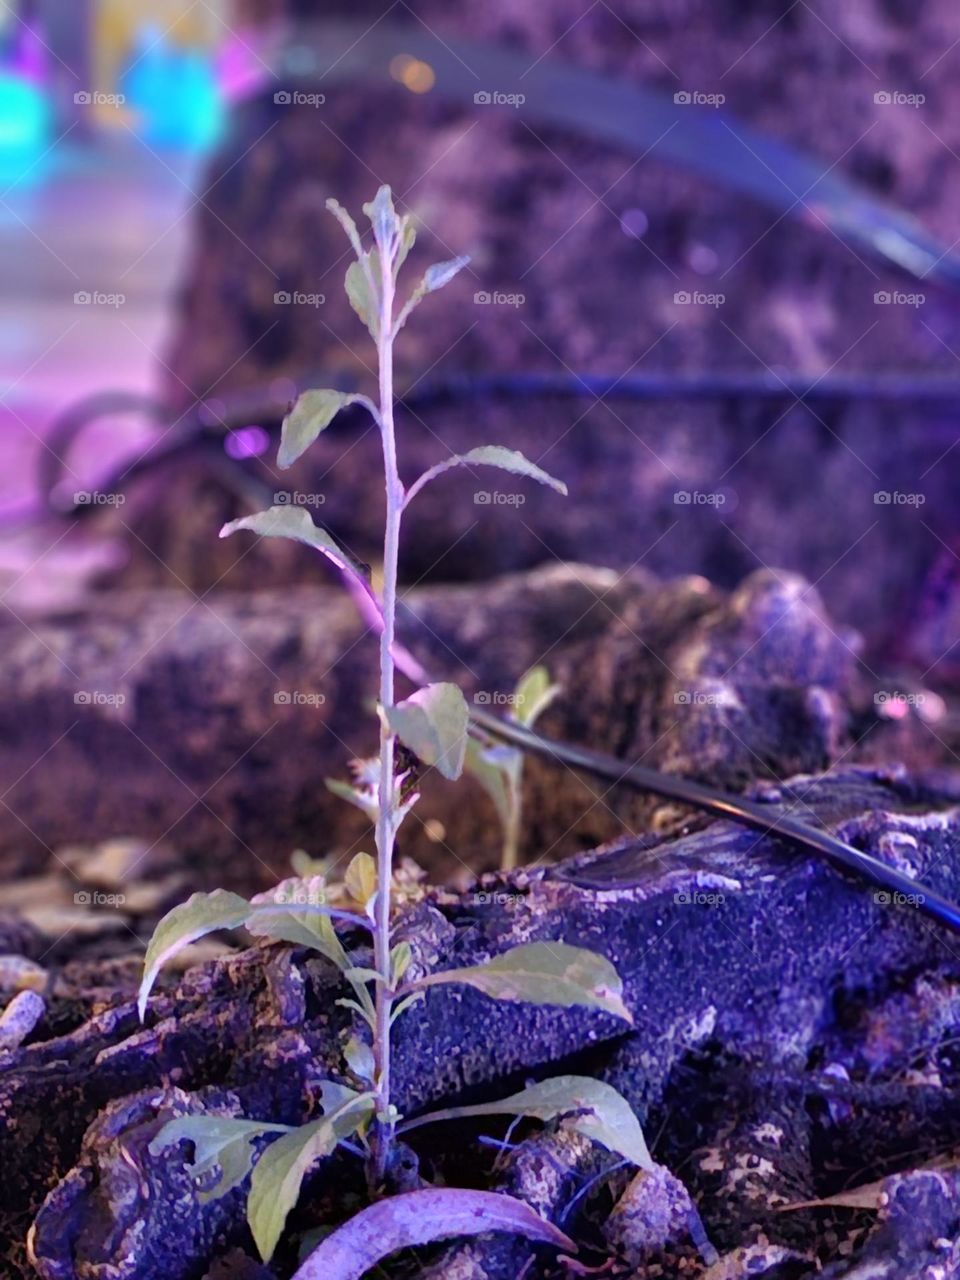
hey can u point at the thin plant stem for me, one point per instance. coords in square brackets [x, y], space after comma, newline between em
[386, 820]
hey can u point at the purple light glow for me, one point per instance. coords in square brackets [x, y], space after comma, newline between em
[247, 442]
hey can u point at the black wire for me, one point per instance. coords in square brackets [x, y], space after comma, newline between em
[201, 429]
[863, 865]
[201, 425]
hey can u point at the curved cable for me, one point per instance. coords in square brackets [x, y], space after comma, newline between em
[722, 805]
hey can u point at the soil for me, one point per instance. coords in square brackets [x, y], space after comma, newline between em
[763, 1082]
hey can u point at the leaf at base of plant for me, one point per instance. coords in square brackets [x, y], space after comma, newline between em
[278, 1174]
[418, 1218]
[580, 1103]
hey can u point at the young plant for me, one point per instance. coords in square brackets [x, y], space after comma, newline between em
[499, 767]
[431, 724]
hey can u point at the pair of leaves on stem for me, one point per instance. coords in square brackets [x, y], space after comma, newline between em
[225, 1149]
[543, 973]
[395, 237]
[550, 973]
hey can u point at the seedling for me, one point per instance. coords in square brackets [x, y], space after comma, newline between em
[432, 724]
[499, 767]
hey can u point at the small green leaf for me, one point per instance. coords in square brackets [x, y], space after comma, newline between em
[495, 455]
[408, 236]
[364, 300]
[401, 957]
[534, 695]
[202, 913]
[495, 769]
[433, 723]
[304, 928]
[544, 973]
[359, 1058]
[487, 455]
[442, 273]
[219, 1142]
[360, 797]
[279, 1173]
[348, 224]
[295, 523]
[581, 1103]
[361, 878]
[434, 278]
[406, 1003]
[312, 413]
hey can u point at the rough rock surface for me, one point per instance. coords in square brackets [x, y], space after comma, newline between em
[738, 954]
[209, 726]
